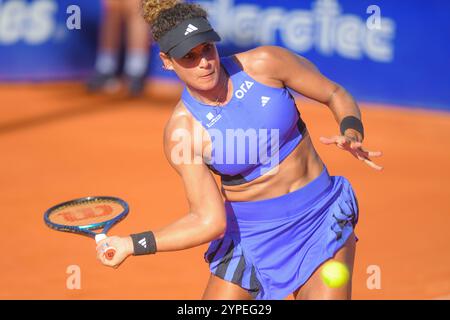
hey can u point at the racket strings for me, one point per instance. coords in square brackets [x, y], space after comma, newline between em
[86, 212]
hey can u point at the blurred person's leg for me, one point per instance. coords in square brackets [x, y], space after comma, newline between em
[137, 48]
[107, 60]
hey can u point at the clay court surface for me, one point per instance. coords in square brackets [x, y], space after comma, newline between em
[58, 143]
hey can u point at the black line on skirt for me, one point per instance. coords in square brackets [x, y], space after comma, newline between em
[239, 272]
[211, 256]
[225, 262]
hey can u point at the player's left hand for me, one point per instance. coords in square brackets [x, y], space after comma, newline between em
[122, 245]
[353, 146]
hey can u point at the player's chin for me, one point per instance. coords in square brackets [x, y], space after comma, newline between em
[206, 83]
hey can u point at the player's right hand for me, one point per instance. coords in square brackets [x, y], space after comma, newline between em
[122, 245]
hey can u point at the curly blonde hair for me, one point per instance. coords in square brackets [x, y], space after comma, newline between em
[164, 15]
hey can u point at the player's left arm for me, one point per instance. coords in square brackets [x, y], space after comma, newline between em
[302, 76]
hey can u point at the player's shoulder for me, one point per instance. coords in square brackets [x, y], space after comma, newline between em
[181, 120]
[263, 52]
[180, 133]
[263, 59]
[180, 117]
[261, 55]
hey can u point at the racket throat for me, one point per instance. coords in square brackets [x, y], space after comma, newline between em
[99, 237]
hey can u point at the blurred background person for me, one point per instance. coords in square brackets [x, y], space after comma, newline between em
[121, 15]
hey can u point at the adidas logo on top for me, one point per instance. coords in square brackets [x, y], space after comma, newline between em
[143, 243]
[190, 28]
[264, 100]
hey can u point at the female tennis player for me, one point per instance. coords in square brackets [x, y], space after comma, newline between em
[283, 214]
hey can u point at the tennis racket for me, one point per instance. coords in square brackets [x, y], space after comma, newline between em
[86, 214]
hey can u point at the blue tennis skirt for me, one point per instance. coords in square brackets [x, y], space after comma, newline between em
[272, 247]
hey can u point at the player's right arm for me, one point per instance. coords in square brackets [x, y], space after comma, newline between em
[206, 219]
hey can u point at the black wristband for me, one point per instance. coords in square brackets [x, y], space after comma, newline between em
[143, 243]
[352, 122]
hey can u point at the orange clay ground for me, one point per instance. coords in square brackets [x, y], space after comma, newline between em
[58, 143]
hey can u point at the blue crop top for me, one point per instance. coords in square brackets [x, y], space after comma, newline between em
[256, 130]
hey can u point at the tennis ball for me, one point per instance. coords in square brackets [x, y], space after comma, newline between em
[335, 274]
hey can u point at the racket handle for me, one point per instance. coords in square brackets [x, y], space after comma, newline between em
[109, 252]
[99, 237]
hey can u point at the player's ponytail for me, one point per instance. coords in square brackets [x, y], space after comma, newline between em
[164, 15]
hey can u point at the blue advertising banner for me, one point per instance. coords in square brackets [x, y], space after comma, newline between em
[39, 40]
[381, 51]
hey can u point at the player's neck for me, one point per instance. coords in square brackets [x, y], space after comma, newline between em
[215, 96]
